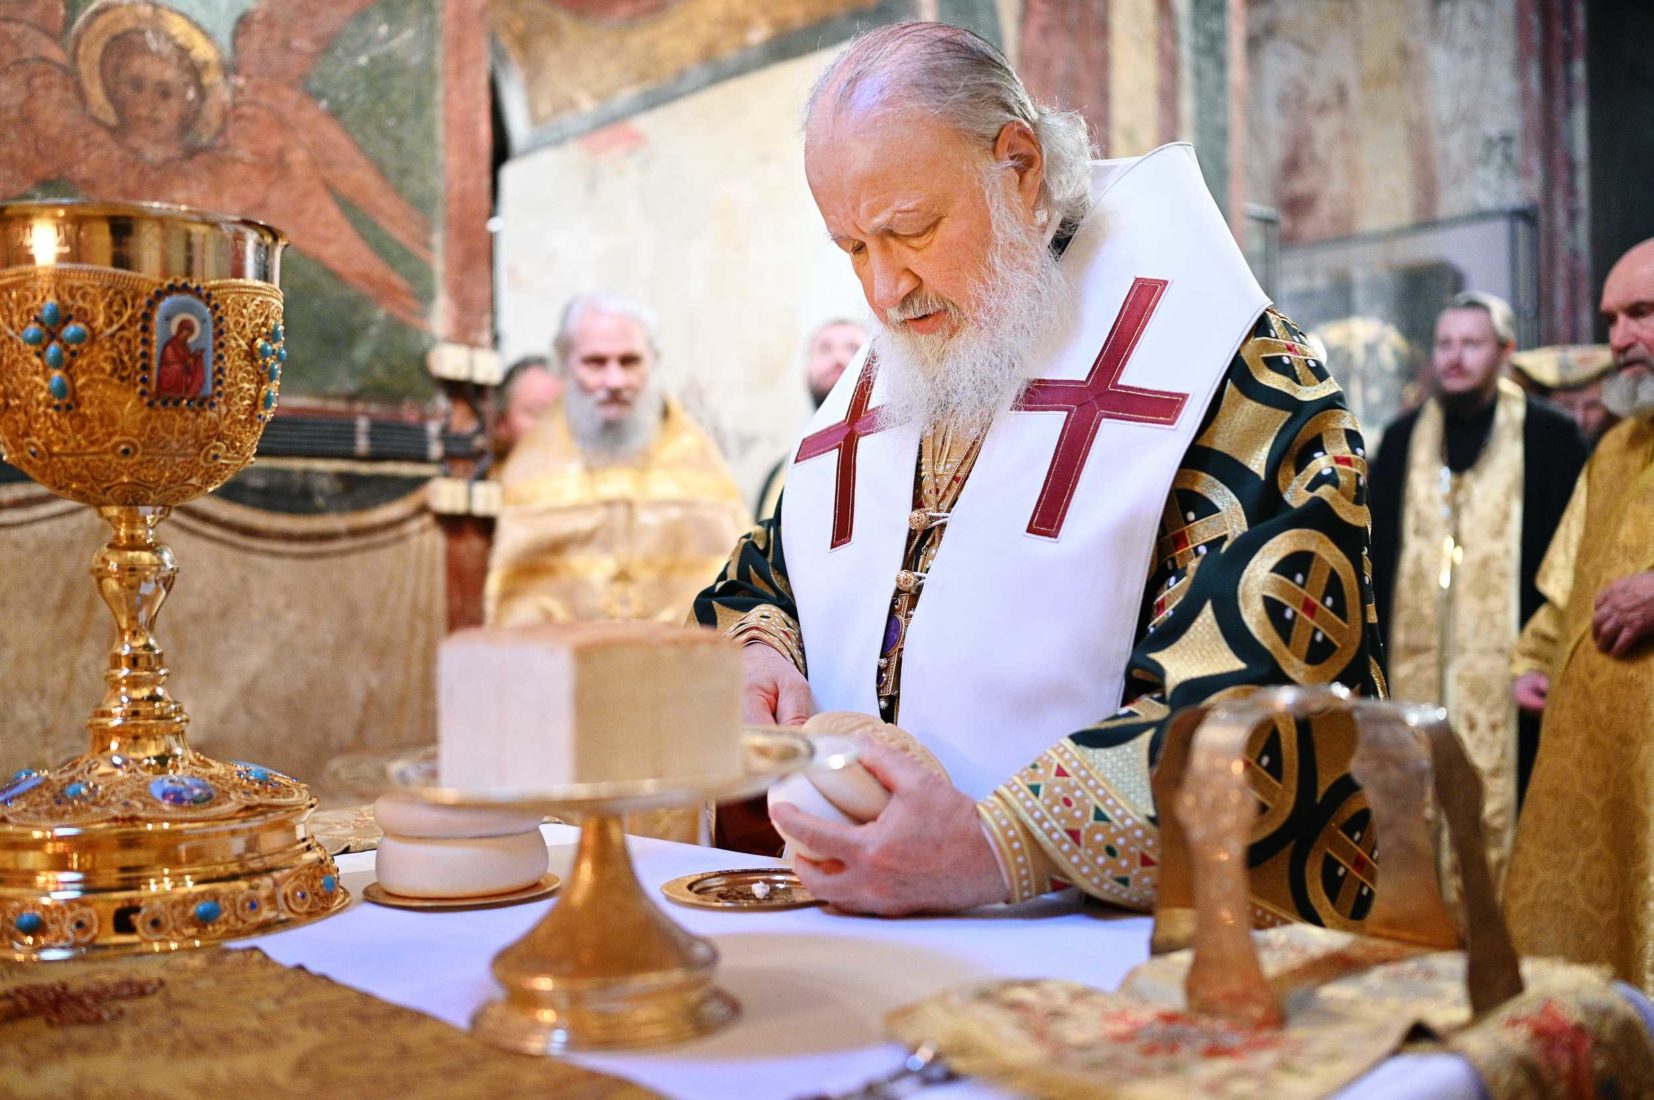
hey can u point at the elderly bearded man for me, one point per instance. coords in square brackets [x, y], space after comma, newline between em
[1083, 465]
[615, 504]
[1582, 876]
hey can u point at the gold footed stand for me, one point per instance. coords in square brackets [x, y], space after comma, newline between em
[141, 350]
[606, 967]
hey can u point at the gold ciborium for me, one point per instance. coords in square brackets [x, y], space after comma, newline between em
[606, 968]
[141, 349]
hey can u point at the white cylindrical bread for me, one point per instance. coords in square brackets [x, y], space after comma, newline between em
[406, 815]
[460, 867]
[797, 790]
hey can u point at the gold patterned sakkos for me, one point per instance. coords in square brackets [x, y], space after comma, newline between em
[141, 351]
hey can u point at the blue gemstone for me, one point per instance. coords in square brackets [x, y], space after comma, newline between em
[24, 773]
[75, 334]
[59, 387]
[181, 790]
[29, 923]
[329, 884]
[269, 399]
[22, 784]
[76, 790]
[50, 315]
[208, 911]
[281, 355]
[265, 350]
[275, 372]
[252, 905]
[276, 334]
[54, 355]
[34, 336]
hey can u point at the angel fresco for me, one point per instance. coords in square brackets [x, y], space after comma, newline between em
[141, 104]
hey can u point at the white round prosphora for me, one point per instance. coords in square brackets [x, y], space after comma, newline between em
[797, 790]
[852, 788]
[460, 867]
[406, 815]
[849, 795]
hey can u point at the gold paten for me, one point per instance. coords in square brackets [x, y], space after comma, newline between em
[544, 888]
[606, 967]
[143, 844]
[760, 888]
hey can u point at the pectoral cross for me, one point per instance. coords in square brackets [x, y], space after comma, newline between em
[1086, 403]
[845, 437]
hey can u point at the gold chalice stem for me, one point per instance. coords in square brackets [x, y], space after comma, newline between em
[605, 968]
[137, 720]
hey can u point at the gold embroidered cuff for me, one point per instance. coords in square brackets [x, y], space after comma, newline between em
[1021, 860]
[769, 625]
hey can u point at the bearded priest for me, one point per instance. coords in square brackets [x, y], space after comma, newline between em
[1082, 477]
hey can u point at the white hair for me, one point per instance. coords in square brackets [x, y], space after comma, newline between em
[964, 79]
[974, 373]
[1498, 311]
[610, 305]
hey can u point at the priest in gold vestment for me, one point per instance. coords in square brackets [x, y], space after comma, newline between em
[1581, 882]
[616, 505]
[1467, 491]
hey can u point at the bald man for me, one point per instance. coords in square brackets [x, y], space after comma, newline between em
[1582, 878]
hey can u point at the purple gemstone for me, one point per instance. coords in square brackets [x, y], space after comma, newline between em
[892, 633]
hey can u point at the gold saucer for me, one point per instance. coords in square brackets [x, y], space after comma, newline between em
[734, 890]
[543, 889]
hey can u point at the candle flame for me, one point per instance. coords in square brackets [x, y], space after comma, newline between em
[43, 242]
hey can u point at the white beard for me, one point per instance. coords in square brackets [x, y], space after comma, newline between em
[1629, 396]
[970, 376]
[605, 443]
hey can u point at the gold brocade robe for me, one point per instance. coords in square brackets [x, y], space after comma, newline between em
[1581, 881]
[632, 540]
[1457, 602]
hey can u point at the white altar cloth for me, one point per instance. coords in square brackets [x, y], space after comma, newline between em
[813, 986]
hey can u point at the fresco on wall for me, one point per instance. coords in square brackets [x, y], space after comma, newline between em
[1371, 116]
[300, 113]
[573, 55]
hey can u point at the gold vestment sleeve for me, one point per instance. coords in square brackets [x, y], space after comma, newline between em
[1540, 643]
[1021, 857]
[771, 626]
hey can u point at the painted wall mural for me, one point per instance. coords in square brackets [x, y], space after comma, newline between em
[320, 117]
[1372, 116]
[573, 55]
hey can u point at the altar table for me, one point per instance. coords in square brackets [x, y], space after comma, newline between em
[814, 986]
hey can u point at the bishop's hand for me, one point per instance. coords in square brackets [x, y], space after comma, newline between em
[773, 691]
[924, 853]
[1624, 615]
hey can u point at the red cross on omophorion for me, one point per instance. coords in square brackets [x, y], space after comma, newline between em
[1087, 402]
[845, 437]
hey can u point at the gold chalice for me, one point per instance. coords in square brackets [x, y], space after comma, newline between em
[141, 349]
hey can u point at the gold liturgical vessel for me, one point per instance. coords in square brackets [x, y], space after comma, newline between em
[141, 350]
[606, 967]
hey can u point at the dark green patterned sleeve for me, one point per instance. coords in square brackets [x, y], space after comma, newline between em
[1260, 577]
[751, 600]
